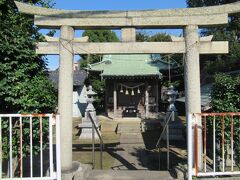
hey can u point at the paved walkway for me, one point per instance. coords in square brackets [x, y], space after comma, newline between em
[131, 158]
[131, 154]
[128, 175]
[131, 150]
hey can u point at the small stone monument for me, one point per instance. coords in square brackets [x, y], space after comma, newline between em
[86, 124]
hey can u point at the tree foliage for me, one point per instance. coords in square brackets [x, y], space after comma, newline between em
[143, 36]
[225, 97]
[177, 59]
[97, 36]
[226, 93]
[201, 3]
[24, 83]
[94, 79]
[231, 32]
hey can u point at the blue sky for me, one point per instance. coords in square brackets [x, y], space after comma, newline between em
[113, 5]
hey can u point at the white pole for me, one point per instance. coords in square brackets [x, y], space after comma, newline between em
[41, 148]
[189, 145]
[31, 148]
[1, 153]
[10, 147]
[214, 144]
[58, 146]
[50, 146]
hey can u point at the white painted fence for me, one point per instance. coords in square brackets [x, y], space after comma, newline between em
[31, 128]
[213, 165]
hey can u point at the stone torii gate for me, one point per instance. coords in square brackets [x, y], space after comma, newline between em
[66, 46]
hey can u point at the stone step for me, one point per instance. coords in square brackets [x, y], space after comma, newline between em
[129, 175]
[129, 127]
[132, 141]
[131, 138]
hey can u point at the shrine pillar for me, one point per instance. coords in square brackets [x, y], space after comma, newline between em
[146, 100]
[192, 80]
[115, 100]
[65, 94]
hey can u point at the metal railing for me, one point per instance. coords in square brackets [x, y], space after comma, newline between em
[165, 131]
[94, 128]
[30, 135]
[218, 145]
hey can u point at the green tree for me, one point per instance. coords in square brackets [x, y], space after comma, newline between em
[94, 79]
[24, 84]
[231, 32]
[97, 36]
[22, 71]
[175, 59]
[225, 97]
[143, 36]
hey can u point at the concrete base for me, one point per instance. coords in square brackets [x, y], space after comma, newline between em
[78, 172]
[87, 134]
[176, 129]
[87, 126]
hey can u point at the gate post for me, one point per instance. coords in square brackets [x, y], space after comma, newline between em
[192, 80]
[65, 95]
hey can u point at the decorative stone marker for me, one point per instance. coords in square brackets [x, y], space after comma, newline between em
[86, 124]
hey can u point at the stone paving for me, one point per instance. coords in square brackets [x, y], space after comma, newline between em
[131, 155]
[131, 158]
[128, 175]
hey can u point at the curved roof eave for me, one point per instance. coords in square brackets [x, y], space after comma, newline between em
[220, 9]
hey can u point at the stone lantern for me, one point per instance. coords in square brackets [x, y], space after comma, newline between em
[86, 124]
[172, 95]
[90, 99]
[174, 124]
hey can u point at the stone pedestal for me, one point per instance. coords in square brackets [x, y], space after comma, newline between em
[175, 126]
[77, 172]
[86, 127]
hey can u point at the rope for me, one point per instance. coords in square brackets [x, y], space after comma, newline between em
[130, 87]
[165, 56]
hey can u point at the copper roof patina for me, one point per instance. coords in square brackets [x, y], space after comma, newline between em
[130, 65]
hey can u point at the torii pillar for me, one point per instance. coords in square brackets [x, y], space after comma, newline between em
[65, 94]
[192, 80]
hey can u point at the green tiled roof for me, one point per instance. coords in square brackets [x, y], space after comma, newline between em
[129, 65]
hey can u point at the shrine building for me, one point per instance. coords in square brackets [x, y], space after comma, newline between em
[133, 84]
